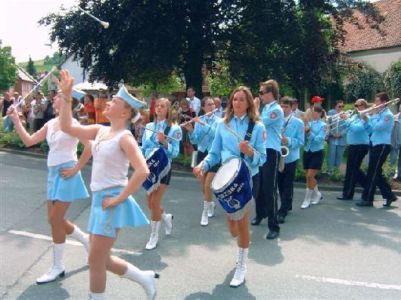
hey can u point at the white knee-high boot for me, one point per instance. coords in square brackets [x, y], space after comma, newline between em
[205, 216]
[168, 223]
[147, 279]
[154, 235]
[81, 236]
[240, 270]
[317, 196]
[308, 197]
[57, 269]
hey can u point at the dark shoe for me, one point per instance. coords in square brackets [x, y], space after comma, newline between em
[271, 235]
[281, 219]
[343, 198]
[364, 203]
[290, 208]
[387, 202]
[256, 221]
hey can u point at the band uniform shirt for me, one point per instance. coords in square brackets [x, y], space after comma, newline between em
[203, 135]
[225, 144]
[357, 131]
[150, 141]
[382, 124]
[273, 119]
[295, 133]
[316, 136]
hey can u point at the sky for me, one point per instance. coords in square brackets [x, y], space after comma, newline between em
[19, 26]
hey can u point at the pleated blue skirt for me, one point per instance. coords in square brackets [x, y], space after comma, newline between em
[106, 222]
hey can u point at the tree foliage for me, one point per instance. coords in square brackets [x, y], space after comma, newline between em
[8, 68]
[30, 68]
[362, 82]
[392, 80]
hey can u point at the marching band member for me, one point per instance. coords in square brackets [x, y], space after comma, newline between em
[242, 118]
[357, 133]
[293, 138]
[64, 183]
[273, 119]
[113, 207]
[203, 135]
[313, 154]
[336, 138]
[164, 126]
[382, 123]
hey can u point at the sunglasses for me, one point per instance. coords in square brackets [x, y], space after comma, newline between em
[357, 105]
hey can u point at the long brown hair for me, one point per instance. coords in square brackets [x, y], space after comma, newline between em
[169, 116]
[251, 111]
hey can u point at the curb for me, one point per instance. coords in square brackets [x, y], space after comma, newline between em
[181, 173]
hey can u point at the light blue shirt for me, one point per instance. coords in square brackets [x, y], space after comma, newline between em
[382, 124]
[295, 133]
[225, 144]
[357, 131]
[336, 128]
[150, 141]
[273, 119]
[203, 135]
[399, 129]
[316, 136]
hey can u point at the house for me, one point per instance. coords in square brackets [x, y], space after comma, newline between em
[380, 47]
[24, 83]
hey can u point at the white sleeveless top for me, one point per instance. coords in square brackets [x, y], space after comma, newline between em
[62, 146]
[110, 163]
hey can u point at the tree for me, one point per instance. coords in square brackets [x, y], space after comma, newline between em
[30, 68]
[392, 80]
[8, 68]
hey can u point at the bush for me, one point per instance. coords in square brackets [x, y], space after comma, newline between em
[392, 80]
[362, 81]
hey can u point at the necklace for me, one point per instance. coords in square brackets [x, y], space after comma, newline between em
[106, 135]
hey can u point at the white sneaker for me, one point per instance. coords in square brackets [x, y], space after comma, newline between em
[168, 223]
[210, 210]
[51, 275]
[205, 218]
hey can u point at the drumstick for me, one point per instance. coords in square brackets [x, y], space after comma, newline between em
[193, 119]
[168, 137]
[239, 138]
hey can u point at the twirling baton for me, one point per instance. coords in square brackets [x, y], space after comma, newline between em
[167, 137]
[103, 23]
[240, 139]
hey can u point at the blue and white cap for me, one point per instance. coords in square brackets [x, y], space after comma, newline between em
[127, 97]
[78, 94]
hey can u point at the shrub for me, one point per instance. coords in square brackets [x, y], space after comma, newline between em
[392, 80]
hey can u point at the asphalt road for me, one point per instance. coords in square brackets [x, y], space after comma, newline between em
[330, 251]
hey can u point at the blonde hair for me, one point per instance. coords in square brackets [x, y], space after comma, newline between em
[251, 111]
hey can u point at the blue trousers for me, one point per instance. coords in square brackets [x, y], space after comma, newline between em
[335, 156]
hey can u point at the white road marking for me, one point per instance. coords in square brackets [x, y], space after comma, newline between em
[352, 283]
[69, 242]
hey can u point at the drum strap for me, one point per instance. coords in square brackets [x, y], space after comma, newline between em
[248, 134]
[166, 131]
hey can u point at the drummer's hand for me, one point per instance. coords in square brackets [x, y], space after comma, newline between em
[244, 148]
[189, 127]
[12, 114]
[65, 173]
[109, 202]
[162, 138]
[198, 172]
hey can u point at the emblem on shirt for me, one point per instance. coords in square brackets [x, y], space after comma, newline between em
[386, 118]
[273, 115]
[178, 135]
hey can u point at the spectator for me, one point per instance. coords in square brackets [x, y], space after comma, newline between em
[100, 105]
[193, 101]
[89, 109]
[295, 110]
[6, 103]
[185, 115]
[38, 107]
[219, 109]
[336, 138]
[152, 106]
[49, 113]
